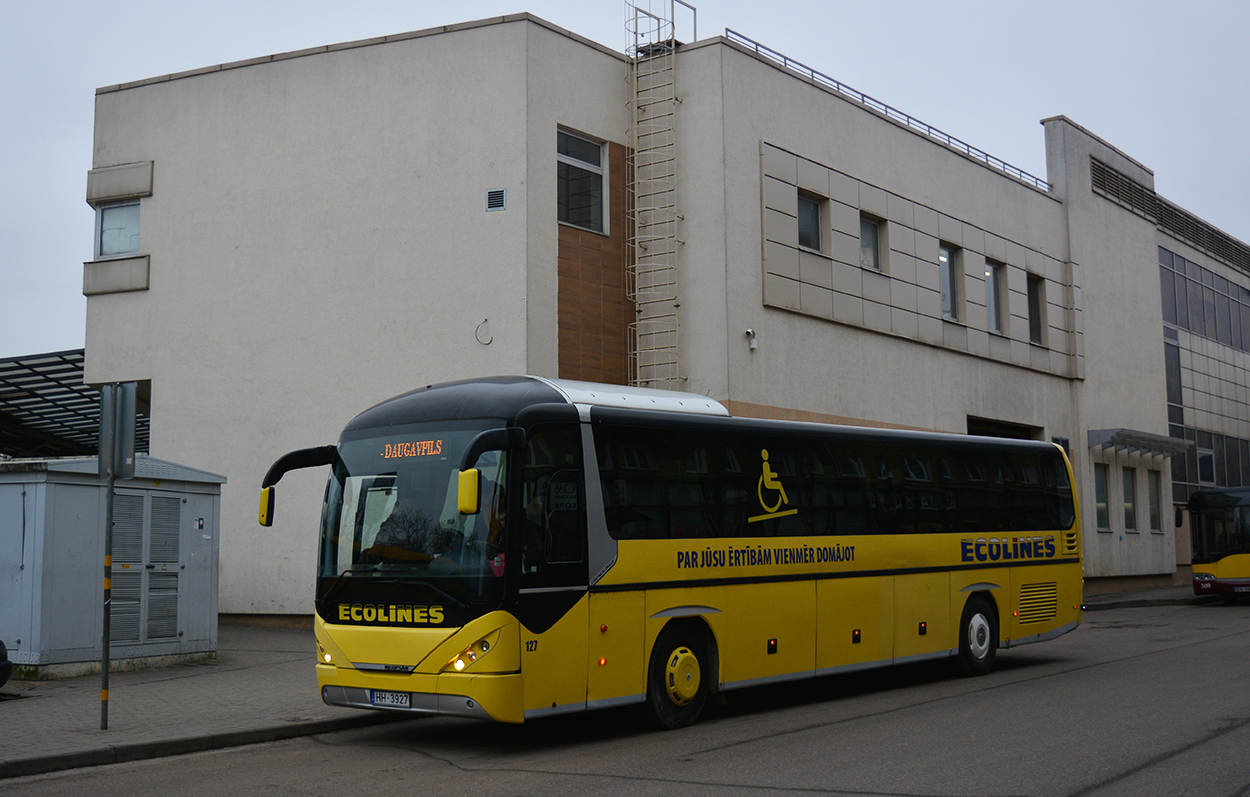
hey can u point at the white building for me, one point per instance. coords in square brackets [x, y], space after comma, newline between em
[323, 229]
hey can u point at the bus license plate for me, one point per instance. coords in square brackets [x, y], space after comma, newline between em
[391, 699]
[1241, 589]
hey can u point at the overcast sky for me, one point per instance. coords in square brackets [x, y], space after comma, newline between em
[1165, 82]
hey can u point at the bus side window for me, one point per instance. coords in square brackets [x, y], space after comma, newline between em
[563, 513]
[553, 538]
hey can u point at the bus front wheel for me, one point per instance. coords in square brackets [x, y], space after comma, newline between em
[677, 680]
[978, 636]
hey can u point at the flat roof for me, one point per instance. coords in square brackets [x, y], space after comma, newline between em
[47, 411]
[351, 45]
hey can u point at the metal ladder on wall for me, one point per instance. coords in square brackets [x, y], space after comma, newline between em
[652, 172]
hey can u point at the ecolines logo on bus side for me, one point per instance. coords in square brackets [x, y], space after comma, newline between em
[994, 549]
[368, 613]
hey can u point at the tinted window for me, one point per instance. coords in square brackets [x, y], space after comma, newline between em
[1168, 287]
[666, 483]
[553, 535]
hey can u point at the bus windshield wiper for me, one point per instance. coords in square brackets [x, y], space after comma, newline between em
[391, 577]
[441, 593]
[338, 582]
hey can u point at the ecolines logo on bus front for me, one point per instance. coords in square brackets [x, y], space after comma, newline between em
[411, 615]
[995, 550]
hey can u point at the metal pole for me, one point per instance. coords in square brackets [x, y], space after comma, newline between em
[109, 417]
[108, 600]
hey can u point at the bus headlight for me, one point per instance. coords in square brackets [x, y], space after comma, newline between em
[323, 656]
[466, 658]
[1203, 577]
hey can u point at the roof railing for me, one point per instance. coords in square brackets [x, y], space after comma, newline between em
[892, 113]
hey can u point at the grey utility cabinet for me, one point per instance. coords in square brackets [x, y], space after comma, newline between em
[165, 549]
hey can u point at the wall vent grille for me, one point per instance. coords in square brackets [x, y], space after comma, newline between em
[166, 529]
[128, 528]
[162, 605]
[1142, 200]
[124, 612]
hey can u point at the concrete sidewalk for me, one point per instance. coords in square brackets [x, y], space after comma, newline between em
[261, 687]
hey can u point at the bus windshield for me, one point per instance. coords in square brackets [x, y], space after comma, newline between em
[390, 515]
[1220, 531]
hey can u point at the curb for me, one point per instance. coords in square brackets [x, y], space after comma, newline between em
[1135, 603]
[140, 751]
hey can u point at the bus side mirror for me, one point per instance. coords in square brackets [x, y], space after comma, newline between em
[267, 497]
[304, 458]
[1180, 518]
[468, 496]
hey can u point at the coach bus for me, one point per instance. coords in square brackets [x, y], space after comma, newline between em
[1219, 529]
[517, 547]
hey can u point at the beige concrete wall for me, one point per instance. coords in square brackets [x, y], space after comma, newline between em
[318, 242]
[735, 108]
[579, 86]
[1125, 385]
[841, 341]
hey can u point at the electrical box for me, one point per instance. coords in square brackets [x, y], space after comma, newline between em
[165, 551]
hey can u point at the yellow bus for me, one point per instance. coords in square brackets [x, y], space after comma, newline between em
[1219, 532]
[518, 547]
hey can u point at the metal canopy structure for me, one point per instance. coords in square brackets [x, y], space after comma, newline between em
[47, 411]
[1138, 442]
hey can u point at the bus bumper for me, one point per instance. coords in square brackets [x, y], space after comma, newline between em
[489, 696]
[1207, 584]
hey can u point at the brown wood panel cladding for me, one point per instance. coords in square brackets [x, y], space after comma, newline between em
[594, 309]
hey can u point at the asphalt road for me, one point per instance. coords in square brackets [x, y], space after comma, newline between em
[1142, 701]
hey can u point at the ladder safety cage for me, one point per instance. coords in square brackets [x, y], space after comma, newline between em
[652, 174]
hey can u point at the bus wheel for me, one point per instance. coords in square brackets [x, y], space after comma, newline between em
[677, 680]
[978, 636]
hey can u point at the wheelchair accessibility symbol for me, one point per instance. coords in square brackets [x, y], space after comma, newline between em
[771, 486]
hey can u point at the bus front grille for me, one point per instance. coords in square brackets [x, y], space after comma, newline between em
[1038, 602]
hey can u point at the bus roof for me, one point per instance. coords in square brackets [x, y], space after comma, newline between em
[1219, 498]
[636, 398]
[507, 396]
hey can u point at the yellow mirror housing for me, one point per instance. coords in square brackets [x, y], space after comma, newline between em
[267, 497]
[467, 492]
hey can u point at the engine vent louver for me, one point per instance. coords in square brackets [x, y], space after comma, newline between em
[1071, 543]
[1038, 602]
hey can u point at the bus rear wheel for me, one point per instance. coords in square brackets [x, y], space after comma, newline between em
[677, 679]
[978, 636]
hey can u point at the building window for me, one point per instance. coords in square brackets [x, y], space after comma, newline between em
[870, 243]
[1130, 498]
[1037, 307]
[117, 230]
[809, 222]
[1153, 485]
[1206, 467]
[948, 278]
[1203, 302]
[579, 179]
[1103, 515]
[994, 295]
